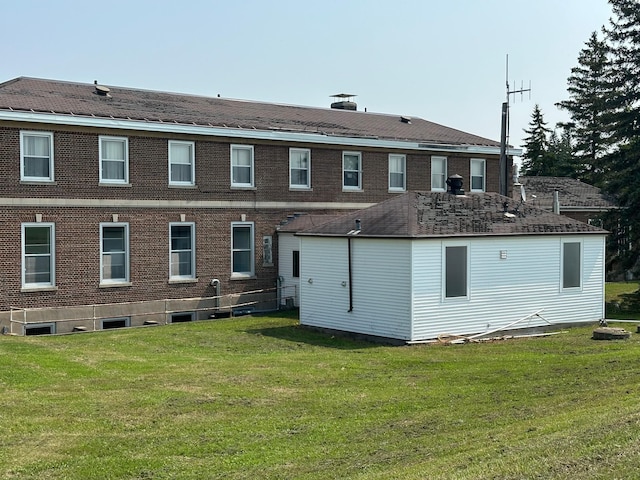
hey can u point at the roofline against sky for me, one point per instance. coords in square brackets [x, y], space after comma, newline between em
[165, 127]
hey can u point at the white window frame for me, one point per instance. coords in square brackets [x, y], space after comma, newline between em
[403, 163]
[236, 148]
[192, 161]
[51, 255]
[352, 188]
[467, 247]
[434, 187]
[116, 281]
[252, 249]
[483, 163]
[192, 250]
[299, 186]
[563, 280]
[125, 160]
[49, 137]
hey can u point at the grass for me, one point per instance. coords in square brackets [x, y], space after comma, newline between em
[261, 397]
[622, 301]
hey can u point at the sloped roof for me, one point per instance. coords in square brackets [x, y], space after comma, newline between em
[572, 193]
[441, 214]
[304, 221]
[24, 94]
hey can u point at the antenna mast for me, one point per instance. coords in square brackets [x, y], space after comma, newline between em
[504, 137]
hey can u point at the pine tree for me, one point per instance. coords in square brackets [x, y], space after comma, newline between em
[589, 107]
[536, 160]
[562, 160]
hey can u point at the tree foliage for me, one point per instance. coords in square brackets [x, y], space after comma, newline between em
[536, 160]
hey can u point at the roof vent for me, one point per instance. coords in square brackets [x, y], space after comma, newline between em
[101, 89]
[405, 119]
[344, 101]
[455, 185]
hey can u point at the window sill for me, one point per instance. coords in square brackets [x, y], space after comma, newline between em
[243, 187]
[174, 281]
[354, 190]
[44, 288]
[37, 182]
[300, 189]
[239, 276]
[113, 184]
[177, 185]
[115, 285]
[397, 190]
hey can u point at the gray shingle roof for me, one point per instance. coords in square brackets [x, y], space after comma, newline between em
[572, 193]
[66, 98]
[440, 214]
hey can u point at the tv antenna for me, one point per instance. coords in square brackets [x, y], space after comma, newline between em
[504, 136]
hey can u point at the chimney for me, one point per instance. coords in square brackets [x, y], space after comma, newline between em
[455, 185]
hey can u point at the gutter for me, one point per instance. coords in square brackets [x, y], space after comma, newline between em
[188, 129]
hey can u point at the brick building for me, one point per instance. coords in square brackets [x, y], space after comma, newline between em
[121, 206]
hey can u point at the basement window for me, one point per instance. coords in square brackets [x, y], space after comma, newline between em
[40, 329]
[119, 322]
[182, 317]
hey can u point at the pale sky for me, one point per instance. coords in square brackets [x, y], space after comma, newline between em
[440, 60]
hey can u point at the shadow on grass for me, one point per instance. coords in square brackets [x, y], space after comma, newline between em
[309, 336]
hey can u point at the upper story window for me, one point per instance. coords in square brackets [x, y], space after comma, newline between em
[571, 265]
[351, 171]
[242, 166]
[38, 255]
[439, 174]
[299, 168]
[36, 156]
[114, 159]
[182, 263]
[114, 253]
[182, 163]
[478, 173]
[397, 173]
[242, 249]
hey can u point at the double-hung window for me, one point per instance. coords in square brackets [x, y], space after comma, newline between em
[571, 264]
[397, 173]
[438, 174]
[242, 166]
[182, 163]
[38, 255]
[477, 167]
[351, 171]
[114, 159]
[242, 249]
[299, 168]
[36, 156]
[114, 253]
[456, 267]
[182, 251]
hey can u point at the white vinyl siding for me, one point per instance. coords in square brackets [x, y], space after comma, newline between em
[182, 251]
[351, 171]
[478, 174]
[114, 253]
[299, 168]
[114, 159]
[397, 173]
[38, 255]
[182, 163]
[36, 156]
[242, 174]
[438, 174]
[242, 250]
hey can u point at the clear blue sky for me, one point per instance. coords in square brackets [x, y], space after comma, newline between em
[442, 60]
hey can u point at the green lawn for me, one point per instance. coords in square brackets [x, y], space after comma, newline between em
[262, 398]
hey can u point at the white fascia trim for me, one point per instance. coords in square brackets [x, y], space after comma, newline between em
[283, 136]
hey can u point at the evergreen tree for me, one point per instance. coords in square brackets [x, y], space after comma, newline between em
[590, 96]
[536, 161]
[561, 155]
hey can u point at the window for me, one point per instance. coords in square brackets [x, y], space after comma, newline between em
[114, 159]
[351, 171]
[119, 322]
[241, 166]
[456, 284]
[40, 329]
[439, 174]
[397, 173]
[182, 251]
[182, 164]
[114, 253]
[296, 263]
[183, 317]
[477, 174]
[242, 257]
[571, 265]
[38, 255]
[299, 168]
[36, 152]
